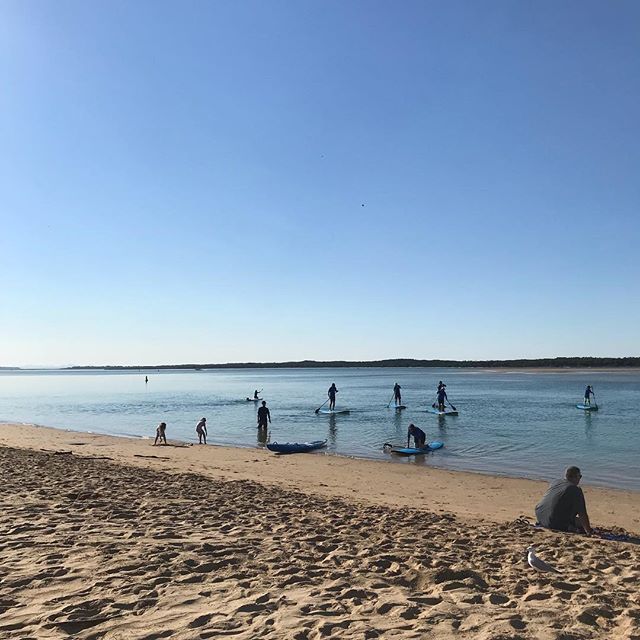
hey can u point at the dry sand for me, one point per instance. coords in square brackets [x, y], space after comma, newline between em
[204, 542]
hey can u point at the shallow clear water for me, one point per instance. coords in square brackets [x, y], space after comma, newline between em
[519, 424]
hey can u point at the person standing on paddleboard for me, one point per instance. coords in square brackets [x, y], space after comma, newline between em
[396, 394]
[264, 415]
[442, 396]
[332, 396]
[419, 436]
[588, 392]
[255, 395]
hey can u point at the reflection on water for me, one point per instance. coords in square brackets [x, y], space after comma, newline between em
[514, 423]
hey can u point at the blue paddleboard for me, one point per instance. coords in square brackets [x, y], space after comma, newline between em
[587, 407]
[296, 447]
[412, 451]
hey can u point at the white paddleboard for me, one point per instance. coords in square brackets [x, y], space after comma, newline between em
[587, 407]
[446, 412]
[330, 412]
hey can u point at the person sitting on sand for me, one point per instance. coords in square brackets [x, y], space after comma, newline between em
[588, 392]
[201, 430]
[332, 395]
[263, 415]
[161, 434]
[419, 436]
[563, 507]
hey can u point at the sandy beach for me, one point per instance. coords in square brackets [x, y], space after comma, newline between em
[105, 537]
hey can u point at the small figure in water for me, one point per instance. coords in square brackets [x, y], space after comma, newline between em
[255, 395]
[442, 396]
[588, 392]
[419, 436]
[201, 430]
[332, 395]
[264, 415]
[396, 394]
[146, 379]
[161, 435]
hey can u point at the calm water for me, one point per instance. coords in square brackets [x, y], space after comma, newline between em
[518, 424]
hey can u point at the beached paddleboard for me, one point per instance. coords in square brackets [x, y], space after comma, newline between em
[587, 407]
[412, 451]
[330, 412]
[446, 412]
[296, 447]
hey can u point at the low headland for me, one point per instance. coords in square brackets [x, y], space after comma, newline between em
[521, 363]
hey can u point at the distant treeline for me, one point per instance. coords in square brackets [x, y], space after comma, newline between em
[557, 363]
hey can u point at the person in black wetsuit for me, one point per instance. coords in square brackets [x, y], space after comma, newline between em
[563, 507]
[332, 395]
[397, 396]
[264, 416]
[255, 395]
[419, 436]
[588, 392]
[442, 397]
[201, 430]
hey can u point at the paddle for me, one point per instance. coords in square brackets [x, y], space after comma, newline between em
[451, 405]
[392, 397]
[322, 405]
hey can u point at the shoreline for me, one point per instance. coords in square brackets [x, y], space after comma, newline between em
[394, 460]
[465, 493]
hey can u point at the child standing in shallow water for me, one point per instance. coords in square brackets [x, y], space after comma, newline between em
[201, 430]
[161, 434]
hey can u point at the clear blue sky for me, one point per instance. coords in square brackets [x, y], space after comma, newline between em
[184, 181]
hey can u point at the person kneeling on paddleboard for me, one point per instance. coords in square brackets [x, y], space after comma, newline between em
[442, 396]
[332, 395]
[419, 436]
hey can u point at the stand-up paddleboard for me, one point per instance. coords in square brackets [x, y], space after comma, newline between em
[446, 412]
[412, 451]
[332, 412]
[587, 407]
[296, 447]
[398, 407]
[254, 399]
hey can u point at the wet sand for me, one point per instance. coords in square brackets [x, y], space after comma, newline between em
[113, 538]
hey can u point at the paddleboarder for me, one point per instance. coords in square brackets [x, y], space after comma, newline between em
[332, 396]
[588, 392]
[442, 396]
[396, 394]
[264, 415]
[201, 430]
[419, 436]
[255, 395]
[441, 385]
